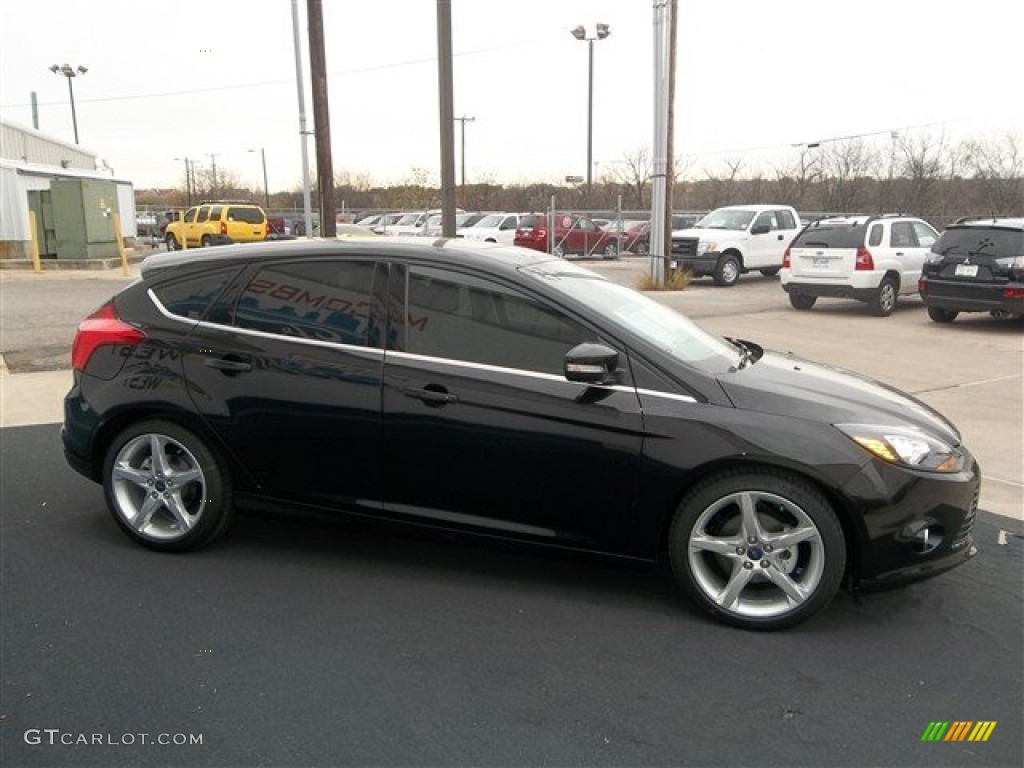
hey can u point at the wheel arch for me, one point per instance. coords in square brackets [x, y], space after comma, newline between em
[853, 534]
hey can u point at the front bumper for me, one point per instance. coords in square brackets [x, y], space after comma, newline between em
[917, 524]
[698, 266]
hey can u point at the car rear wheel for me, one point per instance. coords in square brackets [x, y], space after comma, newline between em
[206, 242]
[883, 302]
[558, 251]
[940, 315]
[165, 488]
[727, 272]
[641, 248]
[758, 549]
[801, 300]
[611, 250]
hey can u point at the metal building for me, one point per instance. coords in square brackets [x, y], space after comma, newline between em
[72, 192]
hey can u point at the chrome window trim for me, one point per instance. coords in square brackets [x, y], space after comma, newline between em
[408, 355]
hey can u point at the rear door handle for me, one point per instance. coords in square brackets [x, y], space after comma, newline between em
[228, 365]
[432, 395]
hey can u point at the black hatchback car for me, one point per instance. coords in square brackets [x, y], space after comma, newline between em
[496, 391]
[975, 266]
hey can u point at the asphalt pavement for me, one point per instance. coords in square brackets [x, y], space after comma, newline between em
[300, 643]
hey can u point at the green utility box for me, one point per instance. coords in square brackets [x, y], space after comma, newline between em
[83, 218]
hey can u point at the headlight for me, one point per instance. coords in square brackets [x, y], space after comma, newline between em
[703, 246]
[905, 447]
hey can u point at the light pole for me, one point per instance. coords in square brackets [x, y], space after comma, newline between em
[188, 179]
[601, 31]
[70, 73]
[463, 120]
[266, 187]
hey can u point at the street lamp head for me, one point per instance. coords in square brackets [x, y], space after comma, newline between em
[603, 30]
[68, 71]
[579, 32]
[55, 68]
[82, 70]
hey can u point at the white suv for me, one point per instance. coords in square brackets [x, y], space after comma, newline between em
[873, 259]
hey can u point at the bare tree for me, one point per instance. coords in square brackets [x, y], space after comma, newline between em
[848, 168]
[634, 172]
[920, 162]
[998, 165]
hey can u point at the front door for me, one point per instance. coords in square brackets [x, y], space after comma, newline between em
[481, 429]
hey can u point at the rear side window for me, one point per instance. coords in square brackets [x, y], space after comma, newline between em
[191, 297]
[248, 215]
[831, 234]
[322, 300]
[786, 219]
[977, 241]
[215, 213]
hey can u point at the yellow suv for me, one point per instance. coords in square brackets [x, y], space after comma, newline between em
[217, 224]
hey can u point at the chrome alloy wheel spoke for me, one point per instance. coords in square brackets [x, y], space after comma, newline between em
[734, 587]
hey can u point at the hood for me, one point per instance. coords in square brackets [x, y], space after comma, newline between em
[783, 384]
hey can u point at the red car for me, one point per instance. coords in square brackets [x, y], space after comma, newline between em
[573, 235]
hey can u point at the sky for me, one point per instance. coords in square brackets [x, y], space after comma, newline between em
[195, 78]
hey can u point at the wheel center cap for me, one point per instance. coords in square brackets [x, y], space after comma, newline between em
[161, 486]
[755, 553]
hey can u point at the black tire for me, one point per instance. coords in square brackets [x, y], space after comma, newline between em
[172, 242]
[206, 242]
[940, 315]
[718, 559]
[558, 251]
[771, 272]
[176, 503]
[641, 248]
[801, 300]
[884, 299]
[727, 271]
[611, 250]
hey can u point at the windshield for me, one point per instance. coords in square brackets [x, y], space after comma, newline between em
[977, 241]
[726, 218]
[672, 333]
[409, 219]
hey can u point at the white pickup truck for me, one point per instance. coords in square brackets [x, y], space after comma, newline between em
[737, 239]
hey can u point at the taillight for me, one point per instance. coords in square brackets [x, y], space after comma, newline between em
[223, 227]
[1013, 293]
[785, 260]
[100, 328]
[864, 261]
[922, 286]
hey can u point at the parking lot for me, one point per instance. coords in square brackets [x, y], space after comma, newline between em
[299, 643]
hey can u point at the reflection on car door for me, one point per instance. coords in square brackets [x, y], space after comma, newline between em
[909, 253]
[286, 369]
[481, 429]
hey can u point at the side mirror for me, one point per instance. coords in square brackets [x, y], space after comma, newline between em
[760, 229]
[591, 364]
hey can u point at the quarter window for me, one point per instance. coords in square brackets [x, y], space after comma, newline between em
[460, 317]
[192, 297]
[875, 236]
[323, 300]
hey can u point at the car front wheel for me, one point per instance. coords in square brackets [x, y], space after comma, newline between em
[758, 549]
[727, 273]
[611, 250]
[165, 488]
[172, 243]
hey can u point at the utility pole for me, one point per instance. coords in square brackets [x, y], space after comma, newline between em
[463, 120]
[213, 165]
[670, 163]
[321, 118]
[303, 133]
[444, 77]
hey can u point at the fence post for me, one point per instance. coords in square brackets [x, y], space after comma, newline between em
[34, 242]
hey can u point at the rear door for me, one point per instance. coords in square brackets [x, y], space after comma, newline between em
[481, 429]
[245, 223]
[286, 369]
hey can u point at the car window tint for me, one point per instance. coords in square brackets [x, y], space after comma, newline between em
[831, 234]
[875, 235]
[902, 235]
[786, 219]
[191, 297]
[190, 215]
[204, 214]
[323, 300]
[926, 236]
[977, 241]
[246, 214]
[460, 317]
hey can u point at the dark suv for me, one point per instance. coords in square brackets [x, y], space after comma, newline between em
[976, 266]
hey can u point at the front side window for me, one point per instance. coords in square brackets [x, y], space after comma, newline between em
[190, 215]
[462, 317]
[204, 214]
[321, 300]
[902, 235]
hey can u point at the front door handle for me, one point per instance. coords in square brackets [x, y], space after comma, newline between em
[228, 365]
[433, 395]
